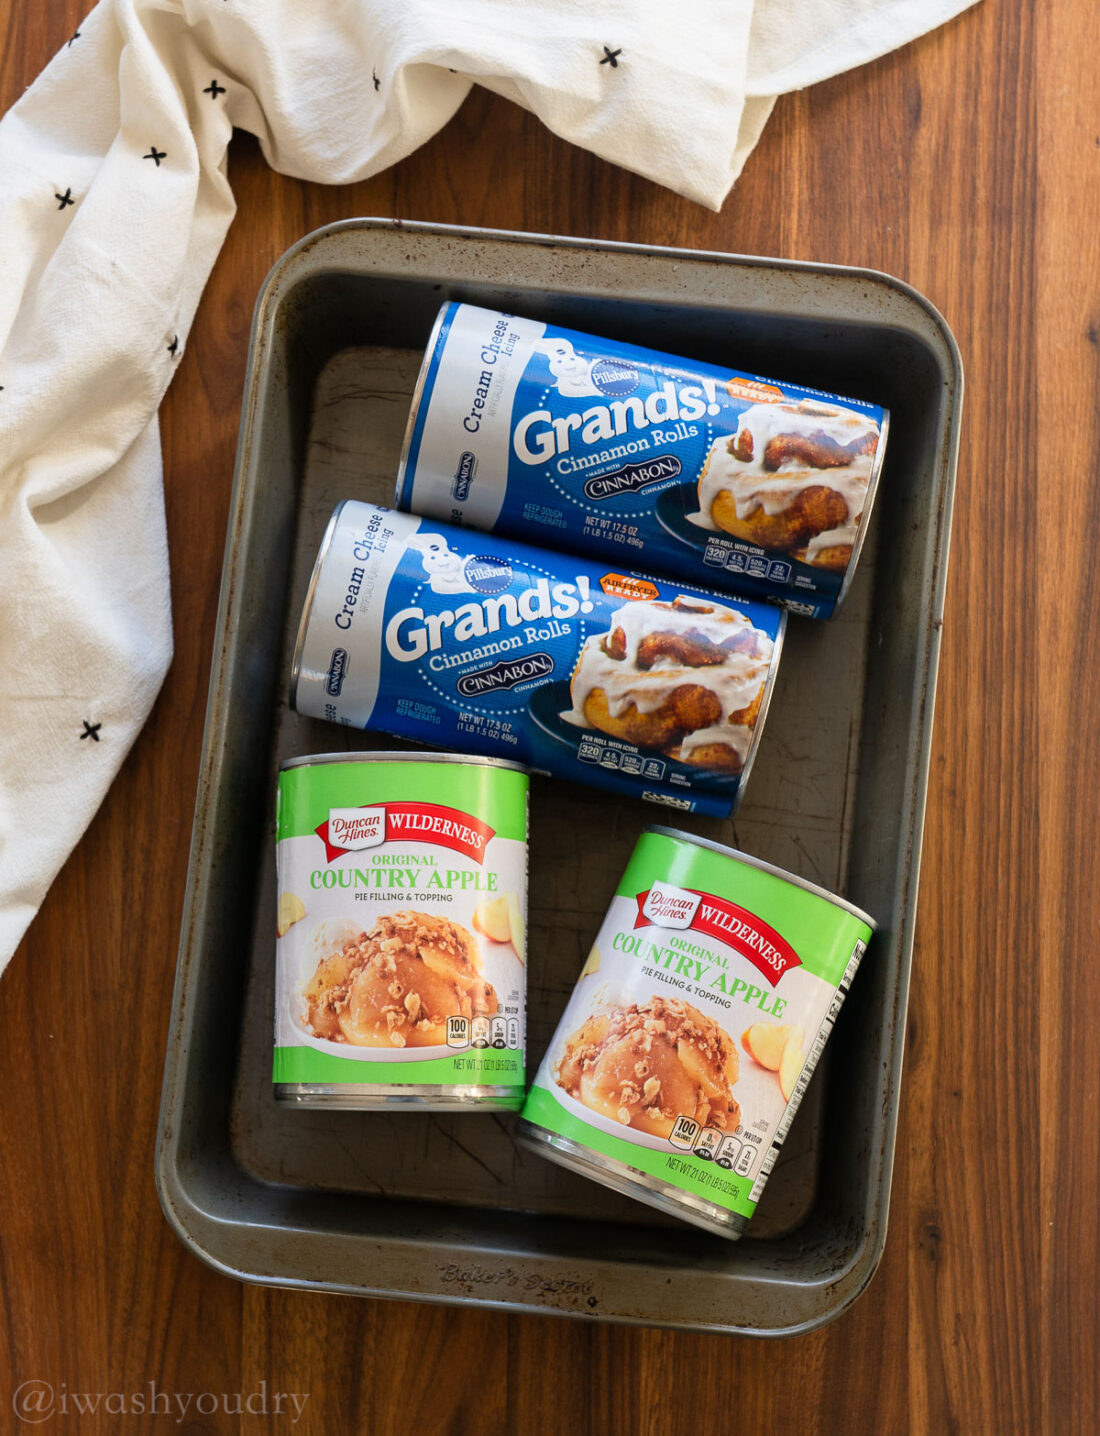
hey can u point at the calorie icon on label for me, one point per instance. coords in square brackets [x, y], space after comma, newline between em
[458, 1031]
[684, 1133]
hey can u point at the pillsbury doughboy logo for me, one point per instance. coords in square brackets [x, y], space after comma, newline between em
[570, 372]
[445, 568]
[450, 572]
[576, 376]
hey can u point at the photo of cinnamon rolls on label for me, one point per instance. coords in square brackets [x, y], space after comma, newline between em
[792, 479]
[685, 678]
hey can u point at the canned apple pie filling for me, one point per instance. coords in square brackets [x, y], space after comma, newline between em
[400, 949]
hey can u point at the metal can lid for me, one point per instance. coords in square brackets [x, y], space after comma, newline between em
[762, 714]
[307, 606]
[307, 760]
[868, 503]
[739, 856]
[414, 406]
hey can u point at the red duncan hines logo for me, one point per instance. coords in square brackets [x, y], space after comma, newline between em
[350, 830]
[736, 927]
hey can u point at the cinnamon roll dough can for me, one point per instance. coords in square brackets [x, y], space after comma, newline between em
[694, 1029]
[706, 473]
[642, 686]
[400, 948]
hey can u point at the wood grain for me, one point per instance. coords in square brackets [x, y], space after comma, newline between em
[967, 164]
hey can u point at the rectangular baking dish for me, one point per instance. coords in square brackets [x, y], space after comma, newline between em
[446, 1208]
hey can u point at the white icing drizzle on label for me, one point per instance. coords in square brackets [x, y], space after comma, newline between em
[736, 735]
[735, 681]
[753, 486]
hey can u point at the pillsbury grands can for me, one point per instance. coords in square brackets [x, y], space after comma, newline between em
[694, 1028]
[465, 640]
[714, 476]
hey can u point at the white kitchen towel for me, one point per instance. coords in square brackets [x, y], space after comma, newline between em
[114, 203]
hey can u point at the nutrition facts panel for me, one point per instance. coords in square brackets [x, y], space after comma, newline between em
[808, 1069]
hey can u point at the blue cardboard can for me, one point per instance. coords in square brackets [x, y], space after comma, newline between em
[473, 642]
[710, 475]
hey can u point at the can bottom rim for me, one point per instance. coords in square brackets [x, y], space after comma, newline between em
[621, 1177]
[423, 1097]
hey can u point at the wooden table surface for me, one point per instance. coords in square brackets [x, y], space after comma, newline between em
[967, 164]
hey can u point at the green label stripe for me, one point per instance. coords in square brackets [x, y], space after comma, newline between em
[473, 1068]
[679, 1169]
[822, 933]
[498, 796]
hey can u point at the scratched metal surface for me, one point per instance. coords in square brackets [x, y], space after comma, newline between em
[444, 1207]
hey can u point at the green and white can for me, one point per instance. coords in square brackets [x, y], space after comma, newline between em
[694, 1029]
[400, 948]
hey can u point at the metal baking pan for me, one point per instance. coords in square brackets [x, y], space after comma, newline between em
[447, 1208]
